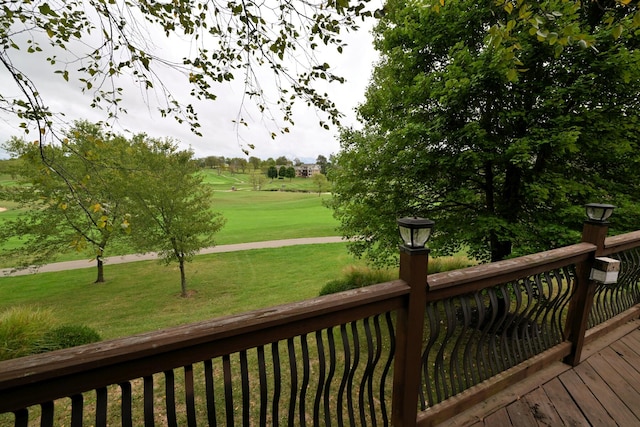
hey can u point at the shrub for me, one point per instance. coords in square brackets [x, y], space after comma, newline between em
[20, 328]
[66, 336]
[357, 277]
[448, 263]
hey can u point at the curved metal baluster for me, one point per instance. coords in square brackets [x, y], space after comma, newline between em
[244, 380]
[456, 372]
[330, 374]
[228, 389]
[366, 386]
[46, 414]
[125, 407]
[262, 380]
[22, 418]
[525, 321]
[387, 369]
[322, 368]
[101, 407]
[305, 379]
[474, 342]
[170, 398]
[293, 386]
[518, 333]
[441, 357]
[209, 392]
[486, 325]
[277, 382]
[148, 402]
[352, 371]
[501, 327]
[433, 326]
[345, 374]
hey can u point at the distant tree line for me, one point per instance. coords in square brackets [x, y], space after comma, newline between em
[281, 167]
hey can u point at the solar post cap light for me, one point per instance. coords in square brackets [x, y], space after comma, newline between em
[415, 231]
[598, 212]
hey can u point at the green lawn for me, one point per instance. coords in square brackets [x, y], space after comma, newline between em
[144, 296]
[252, 216]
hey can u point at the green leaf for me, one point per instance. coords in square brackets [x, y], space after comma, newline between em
[617, 31]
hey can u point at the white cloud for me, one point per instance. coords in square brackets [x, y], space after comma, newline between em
[305, 140]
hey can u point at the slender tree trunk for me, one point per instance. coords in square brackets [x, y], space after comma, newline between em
[100, 266]
[183, 277]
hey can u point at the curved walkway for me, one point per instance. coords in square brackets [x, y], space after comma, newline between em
[73, 265]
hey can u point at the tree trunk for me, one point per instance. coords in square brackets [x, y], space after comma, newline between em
[183, 278]
[100, 266]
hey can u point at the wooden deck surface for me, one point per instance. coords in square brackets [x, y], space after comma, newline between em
[604, 390]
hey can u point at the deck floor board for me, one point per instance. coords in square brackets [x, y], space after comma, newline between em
[603, 390]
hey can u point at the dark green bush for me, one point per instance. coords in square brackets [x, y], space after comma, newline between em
[66, 336]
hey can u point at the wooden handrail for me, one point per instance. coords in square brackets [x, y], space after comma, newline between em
[459, 282]
[65, 372]
[621, 242]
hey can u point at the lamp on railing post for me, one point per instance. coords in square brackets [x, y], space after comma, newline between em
[594, 231]
[414, 233]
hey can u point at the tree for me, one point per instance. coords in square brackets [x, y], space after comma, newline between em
[322, 162]
[282, 161]
[282, 172]
[56, 220]
[272, 172]
[172, 204]
[502, 161]
[291, 173]
[257, 179]
[255, 162]
[320, 182]
[100, 44]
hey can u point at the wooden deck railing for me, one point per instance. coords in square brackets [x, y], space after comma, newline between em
[408, 352]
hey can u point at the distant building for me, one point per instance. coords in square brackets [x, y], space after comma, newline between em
[307, 170]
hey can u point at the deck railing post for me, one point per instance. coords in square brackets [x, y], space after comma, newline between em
[409, 333]
[582, 301]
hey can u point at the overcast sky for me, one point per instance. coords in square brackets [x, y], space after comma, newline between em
[305, 141]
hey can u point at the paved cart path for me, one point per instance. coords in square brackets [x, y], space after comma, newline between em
[73, 265]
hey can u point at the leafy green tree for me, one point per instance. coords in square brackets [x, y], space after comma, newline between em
[320, 182]
[257, 179]
[282, 172]
[172, 204]
[272, 172]
[291, 173]
[502, 161]
[255, 162]
[322, 162]
[99, 43]
[84, 209]
[282, 161]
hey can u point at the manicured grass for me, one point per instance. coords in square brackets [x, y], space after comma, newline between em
[263, 215]
[242, 182]
[252, 216]
[144, 296]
